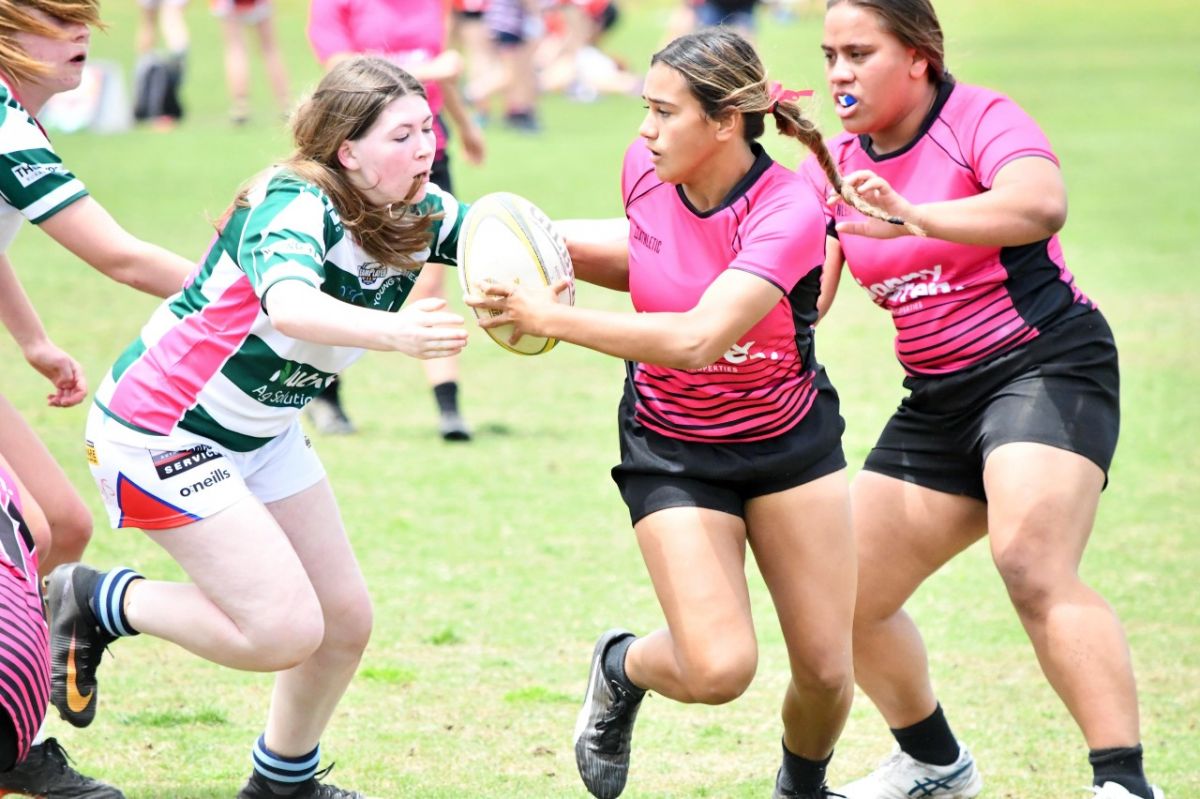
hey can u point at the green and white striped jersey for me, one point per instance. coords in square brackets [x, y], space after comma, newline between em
[34, 184]
[210, 362]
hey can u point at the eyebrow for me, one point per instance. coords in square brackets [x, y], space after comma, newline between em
[656, 101]
[426, 121]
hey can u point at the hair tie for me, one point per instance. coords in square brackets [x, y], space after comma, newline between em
[776, 94]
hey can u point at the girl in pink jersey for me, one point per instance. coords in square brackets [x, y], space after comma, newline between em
[1012, 416]
[24, 648]
[730, 431]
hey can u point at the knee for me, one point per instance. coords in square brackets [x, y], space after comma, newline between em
[824, 674]
[719, 678]
[286, 634]
[348, 625]
[1030, 581]
[70, 532]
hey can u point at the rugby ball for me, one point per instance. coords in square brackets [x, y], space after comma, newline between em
[507, 239]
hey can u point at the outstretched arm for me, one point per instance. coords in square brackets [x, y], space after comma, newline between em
[423, 330]
[88, 231]
[1026, 203]
[19, 316]
[692, 339]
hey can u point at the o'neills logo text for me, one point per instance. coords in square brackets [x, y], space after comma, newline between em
[645, 239]
[198, 486]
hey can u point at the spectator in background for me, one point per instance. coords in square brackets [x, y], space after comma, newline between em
[158, 77]
[516, 27]
[569, 57]
[235, 16]
[411, 35]
[470, 36]
[737, 14]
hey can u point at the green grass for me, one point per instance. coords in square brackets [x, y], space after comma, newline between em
[490, 564]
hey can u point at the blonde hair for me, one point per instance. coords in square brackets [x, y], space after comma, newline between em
[725, 75]
[16, 16]
[343, 108]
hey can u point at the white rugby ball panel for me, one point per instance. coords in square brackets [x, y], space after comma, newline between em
[507, 239]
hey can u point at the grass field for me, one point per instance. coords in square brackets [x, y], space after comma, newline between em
[494, 565]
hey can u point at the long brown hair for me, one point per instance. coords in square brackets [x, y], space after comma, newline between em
[915, 24]
[725, 75]
[343, 107]
[16, 16]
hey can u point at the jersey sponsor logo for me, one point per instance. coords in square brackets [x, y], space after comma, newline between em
[28, 174]
[645, 239]
[899, 290]
[290, 247]
[214, 477]
[90, 449]
[292, 386]
[739, 354]
[170, 464]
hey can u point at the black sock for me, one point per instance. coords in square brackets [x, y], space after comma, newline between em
[332, 391]
[801, 775]
[446, 395]
[929, 741]
[1122, 765]
[614, 665]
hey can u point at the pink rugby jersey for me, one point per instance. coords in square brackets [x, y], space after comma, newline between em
[771, 226]
[405, 33]
[24, 641]
[955, 305]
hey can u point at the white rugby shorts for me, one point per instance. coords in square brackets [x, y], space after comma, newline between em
[155, 482]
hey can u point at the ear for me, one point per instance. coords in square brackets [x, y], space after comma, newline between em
[919, 68]
[347, 157]
[728, 125]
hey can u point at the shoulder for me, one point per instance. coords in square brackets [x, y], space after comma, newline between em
[970, 105]
[18, 129]
[278, 187]
[783, 202]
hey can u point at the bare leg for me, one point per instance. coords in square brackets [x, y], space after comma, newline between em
[237, 69]
[1042, 503]
[235, 612]
[804, 547]
[903, 534]
[67, 524]
[273, 60]
[707, 653]
[305, 696]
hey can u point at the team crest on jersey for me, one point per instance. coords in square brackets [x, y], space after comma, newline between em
[28, 174]
[371, 271]
[170, 464]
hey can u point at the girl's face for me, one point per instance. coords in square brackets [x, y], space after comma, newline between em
[681, 139]
[64, 57]
[874, 79]
[390, 163]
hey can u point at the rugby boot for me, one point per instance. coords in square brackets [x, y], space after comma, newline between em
[76, 642]
[604, 727]
[46, 773]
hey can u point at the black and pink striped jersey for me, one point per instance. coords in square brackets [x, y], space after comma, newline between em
[955, 305]
[771, 226]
